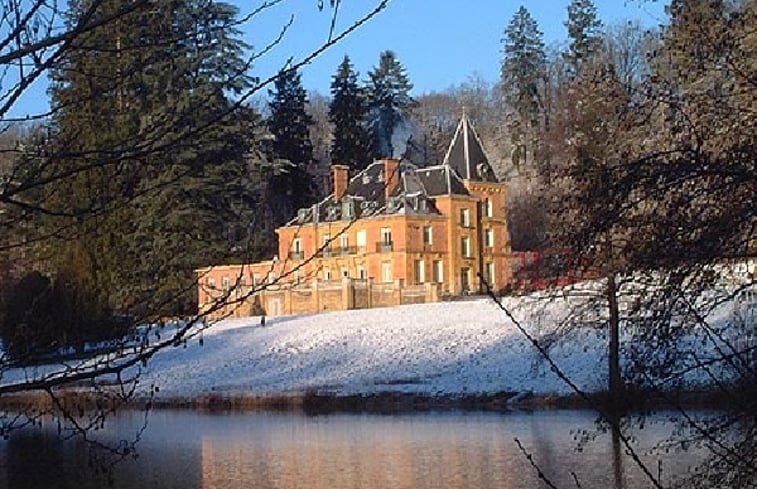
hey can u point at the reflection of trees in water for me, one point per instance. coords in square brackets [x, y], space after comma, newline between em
[454, 450]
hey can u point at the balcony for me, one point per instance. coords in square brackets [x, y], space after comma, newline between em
[384, 246]
[296, 255]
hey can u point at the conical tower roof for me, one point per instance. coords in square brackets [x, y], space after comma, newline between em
[466, 154]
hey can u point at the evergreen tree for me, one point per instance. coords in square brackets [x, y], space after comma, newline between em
[389, 101]
[291, 186]
[146, 143]
[584, 31]
[522, 77]
[348, 113]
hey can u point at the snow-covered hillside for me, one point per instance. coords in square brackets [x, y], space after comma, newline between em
[443, 348]
[448, 348]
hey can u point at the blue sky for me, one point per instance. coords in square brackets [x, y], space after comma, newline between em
[440, 42]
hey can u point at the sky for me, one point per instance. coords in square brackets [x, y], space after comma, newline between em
[441, 43]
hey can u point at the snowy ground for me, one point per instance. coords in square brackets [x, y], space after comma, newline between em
[448, 348]
[443, 348]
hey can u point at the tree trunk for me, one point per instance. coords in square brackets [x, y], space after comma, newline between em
[615, 381]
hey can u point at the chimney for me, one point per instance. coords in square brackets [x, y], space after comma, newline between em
[391, 175]
[340, 174]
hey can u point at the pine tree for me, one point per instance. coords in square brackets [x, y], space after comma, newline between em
[151, 143]
[389, 102]
[522, 77]
[348, 112]
[291, 186]
[584, 30]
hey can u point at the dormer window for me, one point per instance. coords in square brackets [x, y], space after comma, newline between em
[348, 209]
[366, 179]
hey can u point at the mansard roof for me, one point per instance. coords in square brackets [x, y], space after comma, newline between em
[365, 195]
[466, 154]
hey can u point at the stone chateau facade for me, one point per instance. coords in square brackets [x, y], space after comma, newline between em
[392, 234]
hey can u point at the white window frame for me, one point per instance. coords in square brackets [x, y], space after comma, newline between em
[362, 239]
[428, 235]
[344, 241]
[489, 206]
[439, 271]
[386, 271]
[465, 246]
[326, 273]
[489, 235]
[361, 272]
[420, 271]
[297, 245]
[465, 217]
[490, 273]
[386, 235]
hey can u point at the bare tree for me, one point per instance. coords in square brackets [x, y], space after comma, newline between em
[35, 38]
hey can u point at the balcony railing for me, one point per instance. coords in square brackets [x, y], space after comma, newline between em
[341, 251]
[384, 246]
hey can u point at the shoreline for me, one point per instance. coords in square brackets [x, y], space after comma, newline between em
[378, 403]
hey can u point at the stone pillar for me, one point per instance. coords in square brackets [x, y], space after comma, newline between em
[369, 289]
[397, 292]
[432, 292]
[287, 306]
[316, 296]
[348, 293]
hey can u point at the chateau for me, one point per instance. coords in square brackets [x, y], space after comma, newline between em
[392, 234]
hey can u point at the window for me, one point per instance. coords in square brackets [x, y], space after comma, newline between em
[386, 235]
[438, 271]
[348, 209]
[361, 239]
[489, 207]
[420, 271]
[465, 246]
[255, 279]
[326, 243]
[344, 242]
[465, 217]
[428, 235]
[211, 283]
[361, 272]
[489, 238]
[386, 271]
[226, 284]
[345, 272]
[326, 274]
[490, 274]
[297, 250]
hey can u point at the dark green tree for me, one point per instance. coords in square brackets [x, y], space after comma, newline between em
[389, 101]
[146, 129]
[522, 77]
[291, 185]
[348, 113]
[584, 30]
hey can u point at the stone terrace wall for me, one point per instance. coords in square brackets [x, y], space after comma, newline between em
[319, 295]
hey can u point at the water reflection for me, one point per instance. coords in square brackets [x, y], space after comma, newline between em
[452, 450]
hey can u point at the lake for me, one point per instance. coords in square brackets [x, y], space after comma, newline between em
[460, 450]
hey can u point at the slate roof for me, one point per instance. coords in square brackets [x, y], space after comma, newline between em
[365, 195]
[466, 154]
